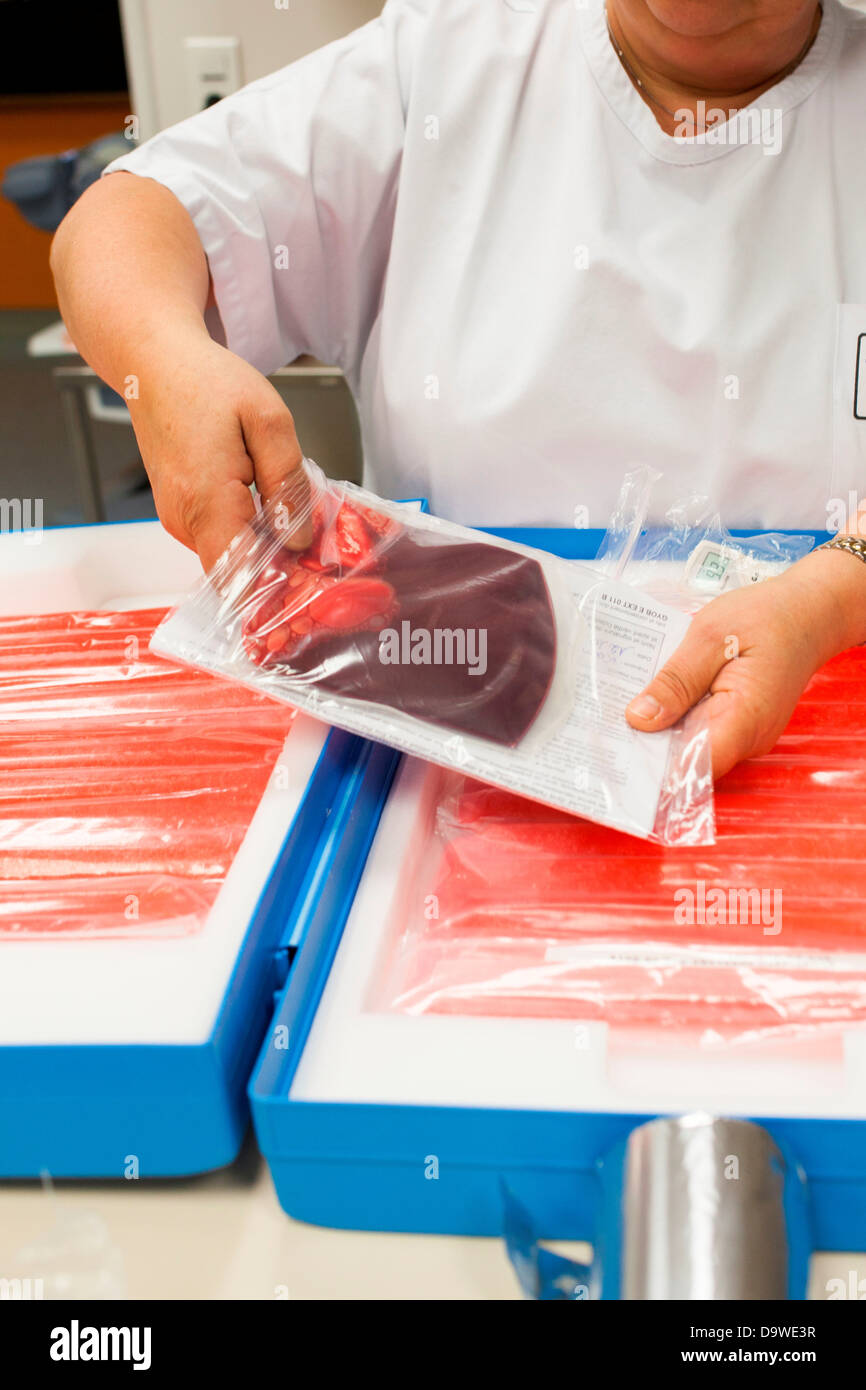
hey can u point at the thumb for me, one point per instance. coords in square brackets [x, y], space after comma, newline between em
[680, 684]
[272, 445]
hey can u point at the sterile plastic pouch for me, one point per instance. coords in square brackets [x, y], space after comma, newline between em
[466, 650]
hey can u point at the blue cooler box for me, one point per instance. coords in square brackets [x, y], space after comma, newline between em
[368, 1119]
[381, 1121]
[123, 1058]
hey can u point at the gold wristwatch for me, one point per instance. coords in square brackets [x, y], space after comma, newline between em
[855, 545]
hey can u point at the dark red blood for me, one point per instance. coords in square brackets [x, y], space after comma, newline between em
[351, 604]
[385, 527]
[354, 542]
[312, 558]
[312, 562]
[386, 578]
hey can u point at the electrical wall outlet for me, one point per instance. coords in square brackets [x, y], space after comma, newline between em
[213, 70]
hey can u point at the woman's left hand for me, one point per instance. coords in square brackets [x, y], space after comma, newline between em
[754, 650]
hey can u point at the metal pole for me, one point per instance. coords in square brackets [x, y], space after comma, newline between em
[78, 433]
[703, 1211]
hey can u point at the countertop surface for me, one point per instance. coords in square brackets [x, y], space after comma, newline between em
[223, 1236]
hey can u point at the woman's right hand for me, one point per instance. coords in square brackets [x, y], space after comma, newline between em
[208, 425]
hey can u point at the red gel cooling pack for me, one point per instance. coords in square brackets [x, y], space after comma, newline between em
[126, 783]
[538, 914]
[318, 616]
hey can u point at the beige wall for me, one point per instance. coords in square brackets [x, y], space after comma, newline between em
[154, 31]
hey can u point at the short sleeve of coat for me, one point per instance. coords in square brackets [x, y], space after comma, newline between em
[291, 183]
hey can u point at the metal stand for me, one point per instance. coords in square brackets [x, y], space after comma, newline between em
[711, 1209]
[72, 383]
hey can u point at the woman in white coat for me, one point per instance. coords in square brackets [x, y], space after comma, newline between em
[545, 241]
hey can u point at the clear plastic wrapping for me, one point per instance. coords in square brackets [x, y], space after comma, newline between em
[468, 651]
[127, 783]
[690, 558]
[512, 909]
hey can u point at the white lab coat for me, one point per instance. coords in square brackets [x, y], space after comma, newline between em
[532, 288]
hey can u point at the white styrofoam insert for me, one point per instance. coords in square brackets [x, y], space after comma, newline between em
[128, 990]
[135, 564]
[355, 1053]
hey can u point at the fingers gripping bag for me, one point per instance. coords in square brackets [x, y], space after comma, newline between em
[504, 662]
